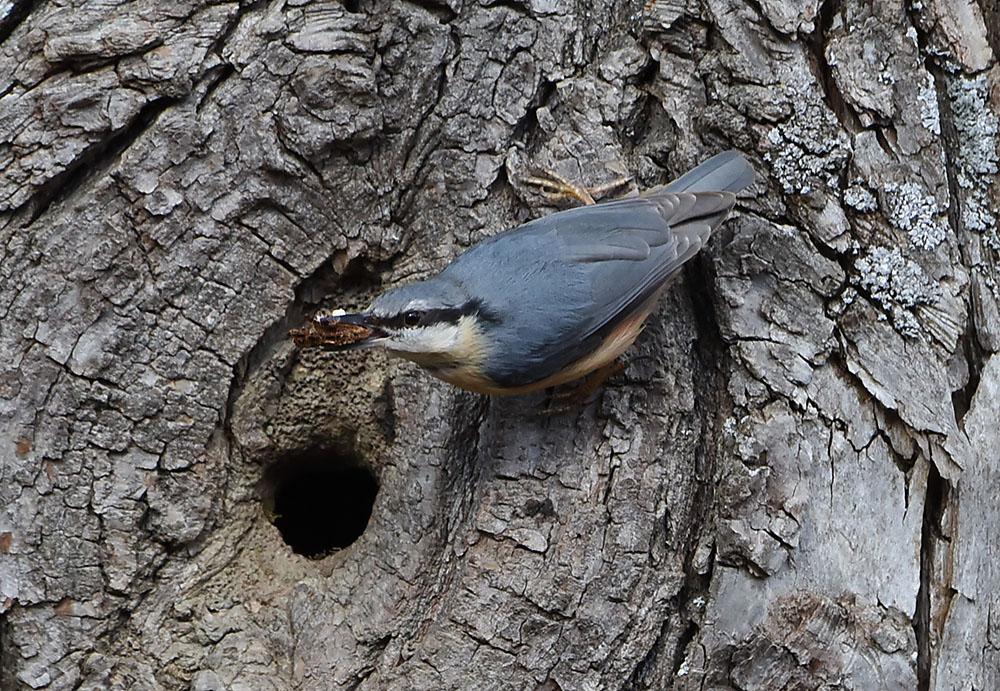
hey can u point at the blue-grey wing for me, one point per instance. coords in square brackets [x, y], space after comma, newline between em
[653, 238]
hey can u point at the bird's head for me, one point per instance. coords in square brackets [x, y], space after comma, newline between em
[434, 323]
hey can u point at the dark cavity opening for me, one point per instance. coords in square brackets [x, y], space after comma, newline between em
[319, 499]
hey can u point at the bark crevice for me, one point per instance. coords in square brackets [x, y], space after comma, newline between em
[19, 11]
[95, 161]
[935, 505]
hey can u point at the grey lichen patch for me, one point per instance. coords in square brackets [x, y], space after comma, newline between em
[930, 116]
[802, 151]
[897, 284]
[919, 214]
[858, 196]
[977, 159]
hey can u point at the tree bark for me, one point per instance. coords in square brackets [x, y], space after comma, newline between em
[790, 485]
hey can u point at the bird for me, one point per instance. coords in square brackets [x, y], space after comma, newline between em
[553, 300]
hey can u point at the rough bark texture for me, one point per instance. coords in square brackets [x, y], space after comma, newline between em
[791, 485]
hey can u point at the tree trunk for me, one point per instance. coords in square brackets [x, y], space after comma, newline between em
[791, 485]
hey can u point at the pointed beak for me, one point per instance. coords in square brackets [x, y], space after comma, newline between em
[355, 326]
[338, 331]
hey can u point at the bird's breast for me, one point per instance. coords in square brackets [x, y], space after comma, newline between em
[613, 345]
[458, 358]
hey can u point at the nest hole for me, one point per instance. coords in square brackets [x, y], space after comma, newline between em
[320, 500]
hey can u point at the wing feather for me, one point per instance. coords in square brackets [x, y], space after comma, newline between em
[685, 222]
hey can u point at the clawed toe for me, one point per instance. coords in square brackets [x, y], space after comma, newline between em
[555, 186]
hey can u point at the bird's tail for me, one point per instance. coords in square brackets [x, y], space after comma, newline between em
[727, 171]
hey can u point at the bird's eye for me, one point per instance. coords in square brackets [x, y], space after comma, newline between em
[412, 318]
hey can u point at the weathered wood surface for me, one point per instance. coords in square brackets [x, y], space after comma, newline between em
[792, 484]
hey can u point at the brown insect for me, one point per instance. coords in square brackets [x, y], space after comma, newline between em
[329, 332]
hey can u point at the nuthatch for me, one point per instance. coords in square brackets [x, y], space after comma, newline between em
[554, 299]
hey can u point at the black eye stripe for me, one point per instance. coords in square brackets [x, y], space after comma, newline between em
[443, 315]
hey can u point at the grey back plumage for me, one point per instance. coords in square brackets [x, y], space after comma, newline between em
[727, 171]
[552, 289]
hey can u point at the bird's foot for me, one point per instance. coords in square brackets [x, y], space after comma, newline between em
[578, 395]
[555, 186]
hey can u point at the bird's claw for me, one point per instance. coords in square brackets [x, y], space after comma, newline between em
[555, 186]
